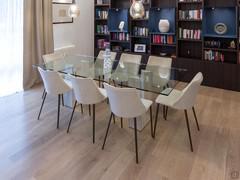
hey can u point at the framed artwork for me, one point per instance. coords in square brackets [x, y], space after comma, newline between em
[60, 14]
[141, 48]
[62, 1]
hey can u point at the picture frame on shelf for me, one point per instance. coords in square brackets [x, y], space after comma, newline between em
[60, 14]
[140, 48]
[62, 1]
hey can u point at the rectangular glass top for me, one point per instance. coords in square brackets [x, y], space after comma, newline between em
[152, 78]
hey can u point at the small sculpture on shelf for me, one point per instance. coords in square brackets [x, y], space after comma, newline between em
[164, 26]
[121, 25]
[232, 45]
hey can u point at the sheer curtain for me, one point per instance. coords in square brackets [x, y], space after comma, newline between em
[11, 46]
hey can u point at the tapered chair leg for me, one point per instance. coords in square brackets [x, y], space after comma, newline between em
[62, 100]
[94, 123]
[136, 141]
[58, 116]
[114, 119]
[195, 116]
[89, 108]
[44, 91]
[103, 81]
[99, 81]
[156, 119]
[44, 97]
[189, 132]
[166, 112]
[151, 121]
[109, 123]
[81, 108]
[75, 104]
[121, 122]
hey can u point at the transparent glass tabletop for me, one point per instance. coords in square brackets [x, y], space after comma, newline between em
[150, 78]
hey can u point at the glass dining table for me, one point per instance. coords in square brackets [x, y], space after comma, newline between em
[153, 79]
[144, 77]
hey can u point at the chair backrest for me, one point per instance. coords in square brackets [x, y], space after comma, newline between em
[130, 58]
[53, 82]
[189, 94]
[47, 58]
[68, 49]
[160, 61]
[132, 63]
[160, 68]
[86, 90]
[124, 102]
[101, 55]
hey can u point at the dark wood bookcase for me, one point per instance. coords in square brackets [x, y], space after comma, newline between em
[198, 49]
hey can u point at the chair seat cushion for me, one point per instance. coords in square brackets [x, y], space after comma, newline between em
[147, 103]
[169, 100]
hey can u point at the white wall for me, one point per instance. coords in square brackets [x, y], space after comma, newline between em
[80, 33]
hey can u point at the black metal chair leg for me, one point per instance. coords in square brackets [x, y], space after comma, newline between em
[121, 122]
[195, 116]
[166, 112]
[99, 81]
[58, 116]
[151, 121]
[136, 142]
[103, 81]
[44, 91]
[81, 108]
[75, 104]
[44, 97]
[62, 100]
[93, 123]
[156, 119]
[114, 119]
[189, 132]
[89, 108]
[109, 123]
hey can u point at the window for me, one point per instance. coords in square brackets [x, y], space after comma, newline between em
[11, 46]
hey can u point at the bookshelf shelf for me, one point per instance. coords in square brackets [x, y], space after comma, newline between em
[140, 37]
[190, 20]
[101, 19]
[98, 34]
[119, 41]
[168, 45]
[159, 33]
[191, 40]
[220, 36]
[189, 3]
[220, 49]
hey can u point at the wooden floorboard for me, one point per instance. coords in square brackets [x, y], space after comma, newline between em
[36, 150]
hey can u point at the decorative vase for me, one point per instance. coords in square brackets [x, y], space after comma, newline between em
[137, 10]
[164, 26]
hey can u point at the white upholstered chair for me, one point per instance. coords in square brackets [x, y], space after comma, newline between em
[87, 93]
[129, 63]
[161, 69]
[101, 55]
[47, 58]
[182, 100]
[125, 102]
[54, 85]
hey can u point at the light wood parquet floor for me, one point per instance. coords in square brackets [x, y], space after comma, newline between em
[36, 150]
